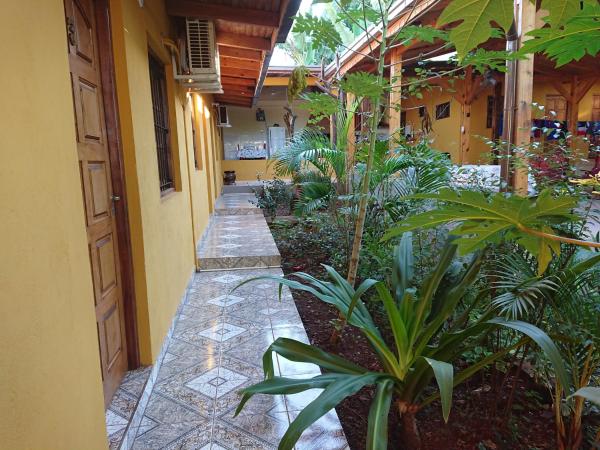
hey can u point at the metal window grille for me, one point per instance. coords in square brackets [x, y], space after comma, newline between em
[158, 88]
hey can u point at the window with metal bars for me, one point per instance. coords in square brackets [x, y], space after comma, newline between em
[158, 86]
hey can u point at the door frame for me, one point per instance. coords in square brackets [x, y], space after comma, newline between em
[115, 150]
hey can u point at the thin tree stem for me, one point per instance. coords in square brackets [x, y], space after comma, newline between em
[362, 206]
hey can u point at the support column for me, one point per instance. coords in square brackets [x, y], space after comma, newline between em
[395, 93]
[525, 15]
[573, 111]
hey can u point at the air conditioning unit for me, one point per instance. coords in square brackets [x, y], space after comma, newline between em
[199, 57]
[222, 116]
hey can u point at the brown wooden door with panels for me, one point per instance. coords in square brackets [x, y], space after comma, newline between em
[97, 186]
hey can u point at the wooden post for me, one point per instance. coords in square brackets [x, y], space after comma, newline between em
[525, 14]
[395, 93]
[573, 111]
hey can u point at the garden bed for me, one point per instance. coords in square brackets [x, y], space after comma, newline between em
[478, 418]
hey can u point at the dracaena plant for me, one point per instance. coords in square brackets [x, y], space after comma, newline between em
[425, 344]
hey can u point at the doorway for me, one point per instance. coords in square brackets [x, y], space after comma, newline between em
[103, 189]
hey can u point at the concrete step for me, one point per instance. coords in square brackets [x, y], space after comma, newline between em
[238, 241]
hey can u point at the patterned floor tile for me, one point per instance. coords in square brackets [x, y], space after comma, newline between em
[216, 350]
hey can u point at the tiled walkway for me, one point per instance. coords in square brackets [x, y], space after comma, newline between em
[216, 348]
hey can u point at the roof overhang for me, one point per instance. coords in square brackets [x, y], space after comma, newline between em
[246, 34]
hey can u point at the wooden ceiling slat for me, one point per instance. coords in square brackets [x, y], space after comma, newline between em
[240, 63]
[239, 73]
[191, 8]
[236, 101]
[242, 41]
[240, 53]
[237, 81]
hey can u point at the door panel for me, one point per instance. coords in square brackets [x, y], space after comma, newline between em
[96, 185]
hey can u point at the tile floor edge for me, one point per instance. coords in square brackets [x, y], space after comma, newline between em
[133, 426]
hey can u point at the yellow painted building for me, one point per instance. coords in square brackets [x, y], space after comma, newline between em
[98, 247]
[446, 133]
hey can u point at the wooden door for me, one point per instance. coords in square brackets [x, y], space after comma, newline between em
[596, 108]
[96, 184]
[558, 104]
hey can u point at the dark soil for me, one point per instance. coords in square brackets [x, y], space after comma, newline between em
[478, 419]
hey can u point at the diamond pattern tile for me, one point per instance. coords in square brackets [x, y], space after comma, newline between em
[217, 382]
[222, 332]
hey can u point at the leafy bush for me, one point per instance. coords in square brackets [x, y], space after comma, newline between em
[274, 197]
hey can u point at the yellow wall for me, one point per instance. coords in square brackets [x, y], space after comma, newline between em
[246, 129]
[446, 134]
[49, 370]
[249, 170]
[166, 230]
[540, 90]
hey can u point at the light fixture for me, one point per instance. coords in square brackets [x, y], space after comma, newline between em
[207, 112]
[199, 104]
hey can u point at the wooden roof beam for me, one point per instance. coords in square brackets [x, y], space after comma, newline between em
[190, 8]
[243, 41]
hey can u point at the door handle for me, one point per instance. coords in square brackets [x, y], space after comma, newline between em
[115, 198]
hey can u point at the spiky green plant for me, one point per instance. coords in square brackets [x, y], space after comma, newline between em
[424, 346]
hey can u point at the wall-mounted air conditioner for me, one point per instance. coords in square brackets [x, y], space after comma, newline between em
[199, 57]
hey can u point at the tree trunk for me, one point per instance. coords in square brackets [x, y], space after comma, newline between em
[410, 437]
[362, 205]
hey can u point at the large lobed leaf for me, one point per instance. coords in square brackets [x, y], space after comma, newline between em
[571, 41]
[321, 31]
[482, 220]
[363, 85]
[477, 17]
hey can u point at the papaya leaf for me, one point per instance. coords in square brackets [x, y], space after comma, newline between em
[481, 220]
[420, 33]
[579, 36]
[363, 84]
[477, 17]
[318, 104]
[560, 10]
[321, 31]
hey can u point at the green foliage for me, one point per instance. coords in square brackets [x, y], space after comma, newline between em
[273, 197]
[363, 85]
[319, 105]
[591, 394]
[425, 343]
[482, 221]
[422, 33]
[572, 40]
[476, 17]
[481, 59]
[322, 31]
[560, 10]
[360, 14]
